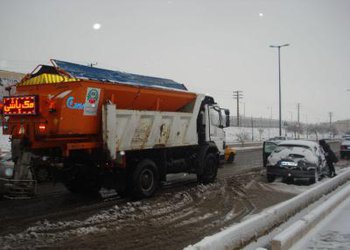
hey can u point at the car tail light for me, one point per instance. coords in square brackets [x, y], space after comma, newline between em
[42, 128]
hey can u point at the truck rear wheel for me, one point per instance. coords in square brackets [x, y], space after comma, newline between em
[210, 169]
[145, 179]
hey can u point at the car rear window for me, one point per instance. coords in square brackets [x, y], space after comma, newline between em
[281, 147]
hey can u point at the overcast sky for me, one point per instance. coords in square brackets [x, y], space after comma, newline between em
[212, 47]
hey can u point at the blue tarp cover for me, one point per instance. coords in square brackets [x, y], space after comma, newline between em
[86, 72]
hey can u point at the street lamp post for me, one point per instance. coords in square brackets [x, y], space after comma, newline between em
[279, 82]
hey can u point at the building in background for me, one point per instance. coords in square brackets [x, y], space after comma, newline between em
[8, 78]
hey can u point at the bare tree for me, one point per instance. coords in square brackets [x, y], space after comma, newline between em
[295, 128]
[242, 137]
[312, 129]
[261, 131]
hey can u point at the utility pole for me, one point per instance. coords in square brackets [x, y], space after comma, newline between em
[237, 95]
[279, 83]
[298, 107]
[330, 119]
[252, 125]
[330, 124]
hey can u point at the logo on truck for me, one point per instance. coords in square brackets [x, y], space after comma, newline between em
[90, 105]
[92, 96]
[73, 105]
[91, 101]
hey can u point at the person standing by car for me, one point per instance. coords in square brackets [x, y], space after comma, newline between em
[330, 157]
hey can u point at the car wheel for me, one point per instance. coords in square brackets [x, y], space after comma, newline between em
[288, 180]
[314, 179]
[271, 178]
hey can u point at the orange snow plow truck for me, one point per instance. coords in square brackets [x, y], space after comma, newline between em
[99, 128]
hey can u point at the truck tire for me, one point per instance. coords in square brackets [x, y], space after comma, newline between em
[145, 179]
[210, 169]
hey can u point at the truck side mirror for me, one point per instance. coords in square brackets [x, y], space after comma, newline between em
[227, 113]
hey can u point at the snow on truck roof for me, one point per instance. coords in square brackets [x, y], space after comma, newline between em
[104, 75]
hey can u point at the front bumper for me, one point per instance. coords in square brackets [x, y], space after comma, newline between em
[289, 172]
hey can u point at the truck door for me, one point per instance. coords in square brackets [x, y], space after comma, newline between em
[216, 128]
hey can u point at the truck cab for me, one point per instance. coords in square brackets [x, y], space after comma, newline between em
[218, 119]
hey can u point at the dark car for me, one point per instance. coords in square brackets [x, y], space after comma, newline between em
[345, 147]
[296, 159]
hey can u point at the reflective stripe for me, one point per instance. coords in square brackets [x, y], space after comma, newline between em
[48, 79]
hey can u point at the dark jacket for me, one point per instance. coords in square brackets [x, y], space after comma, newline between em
[329, 154]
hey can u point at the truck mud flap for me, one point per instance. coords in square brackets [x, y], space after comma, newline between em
[18, 189]
[22, 185]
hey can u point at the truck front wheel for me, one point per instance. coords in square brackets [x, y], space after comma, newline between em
[145, 179]
[210, 169]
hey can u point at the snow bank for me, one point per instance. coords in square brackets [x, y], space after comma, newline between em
[261, 134]
[255, 134]
[297, 230]
[258, 225]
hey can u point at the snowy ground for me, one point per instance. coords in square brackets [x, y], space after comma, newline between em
[178, 216]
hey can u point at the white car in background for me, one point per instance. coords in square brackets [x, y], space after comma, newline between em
[297, 159]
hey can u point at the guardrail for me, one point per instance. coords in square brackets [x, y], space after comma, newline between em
[291, 235]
